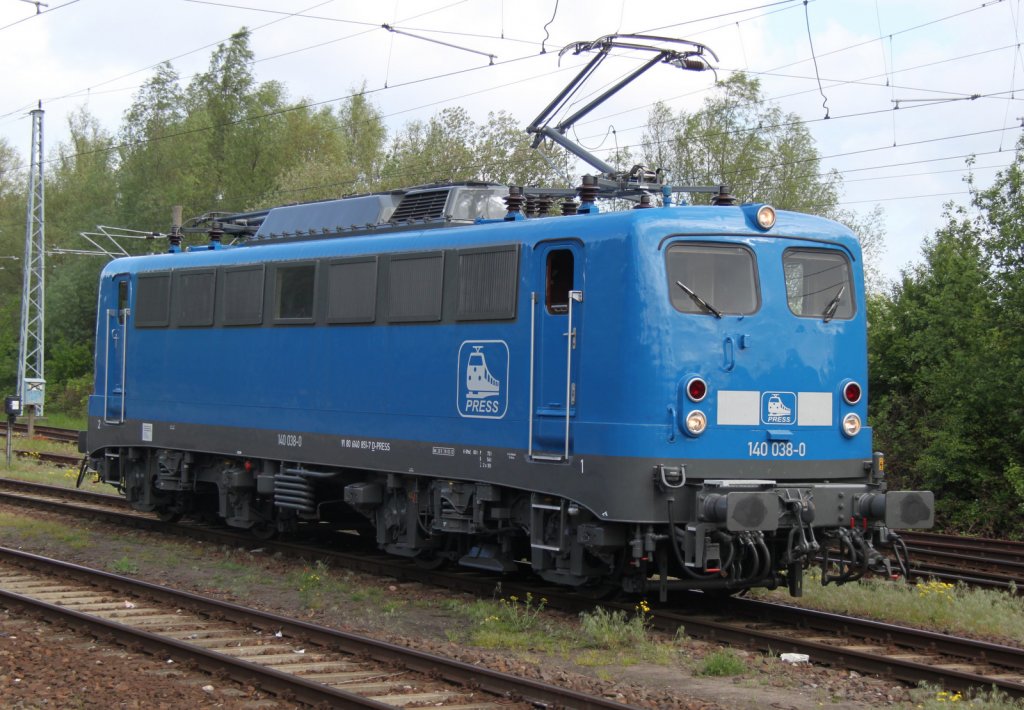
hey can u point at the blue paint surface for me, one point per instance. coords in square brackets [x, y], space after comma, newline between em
[634, 351]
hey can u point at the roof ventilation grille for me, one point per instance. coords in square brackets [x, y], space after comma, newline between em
[422, 206]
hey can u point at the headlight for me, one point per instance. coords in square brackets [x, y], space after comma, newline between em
[851, 425]
[766, 217]
[696, 423]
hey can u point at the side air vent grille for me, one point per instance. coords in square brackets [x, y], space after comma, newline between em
[421, 206]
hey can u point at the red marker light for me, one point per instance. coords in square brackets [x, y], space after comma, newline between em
[696, 389]
[851, 393]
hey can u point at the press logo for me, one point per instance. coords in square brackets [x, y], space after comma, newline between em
[483, 379]
[778, 408]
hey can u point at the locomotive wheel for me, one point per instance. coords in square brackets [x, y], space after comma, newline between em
[166, 515]
[602, 590]
[264, 530]
[436, 558]
[724, 593]
[430, 560]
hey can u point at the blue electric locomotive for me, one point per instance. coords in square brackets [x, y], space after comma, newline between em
[652, 398]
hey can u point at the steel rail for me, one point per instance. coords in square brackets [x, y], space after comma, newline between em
[458, 672]
[69, 436]
[49, 457]
[871, 661]
[882, 632]
[961, 541]
[46, 489]
[239, 670]
[694, 623]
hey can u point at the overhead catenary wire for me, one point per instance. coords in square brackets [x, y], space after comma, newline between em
[810, 42]
[38, 13]
[481, 89]
[297, 14]
[374, 27]
[1015, 19]
[416, 81]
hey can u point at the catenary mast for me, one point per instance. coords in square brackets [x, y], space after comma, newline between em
[31, 381]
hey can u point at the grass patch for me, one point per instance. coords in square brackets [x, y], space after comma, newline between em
[158, 557]
[31, 529]
[318, 587]
[27, 468]
[614, 629]
[391, 608]
[931, 698]
[601, 638]
[124, 565]
[931, 605]
[238, 578]
[512, 623]
[722, 663]
[60, 420]
[615, 637]
[39, 444]
[35, 471]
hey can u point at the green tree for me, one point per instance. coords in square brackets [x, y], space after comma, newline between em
[741, 140]
[937, 382]
[340, 153]
[81, 186]
[440, 149]
[155, 153]
[218, 102]
[870, 231]
[13, 183]
[503, 153]
[746, 142]
[239, 126]
[81, 192]
[1001, 209]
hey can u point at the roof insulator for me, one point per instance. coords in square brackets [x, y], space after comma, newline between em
[644, 203]
[532, 206]
[544, 205]
[723, 198]
[588, 193]
[215, 233]
[514, 201]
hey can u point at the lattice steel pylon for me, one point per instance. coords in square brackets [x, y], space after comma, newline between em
[31, 381]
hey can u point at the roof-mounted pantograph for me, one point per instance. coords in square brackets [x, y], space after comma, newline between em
[691, 59]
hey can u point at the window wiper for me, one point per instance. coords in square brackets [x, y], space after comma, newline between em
[700, 301]
[833, 305]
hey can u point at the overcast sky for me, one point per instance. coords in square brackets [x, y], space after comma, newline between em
[870, 54]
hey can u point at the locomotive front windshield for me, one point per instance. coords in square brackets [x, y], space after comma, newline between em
[818, 284]
[712, 279]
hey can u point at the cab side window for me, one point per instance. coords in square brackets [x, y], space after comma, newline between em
[559, 280]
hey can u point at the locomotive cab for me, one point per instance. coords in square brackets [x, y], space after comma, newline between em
[767, 340]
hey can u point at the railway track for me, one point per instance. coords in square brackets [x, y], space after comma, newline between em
[870, 647]
[311, 664]
[67, 436]
[906, 654]
[61, 459]
[64, 436]
[976, 561]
